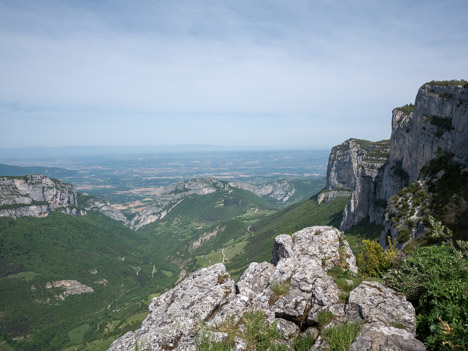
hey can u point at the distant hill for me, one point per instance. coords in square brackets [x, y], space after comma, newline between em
[60, 173]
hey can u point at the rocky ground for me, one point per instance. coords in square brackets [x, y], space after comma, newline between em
[293, 293]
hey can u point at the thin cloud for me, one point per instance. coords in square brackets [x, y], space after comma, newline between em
[339, 63]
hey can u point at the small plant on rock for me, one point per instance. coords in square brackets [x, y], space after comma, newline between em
[340, 338]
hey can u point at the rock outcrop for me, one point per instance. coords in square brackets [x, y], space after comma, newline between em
[34, 195]
[71, 287]
[37, 195]
[94, 203]
[278, 190]
[354, 168]
[437, 121]
[172, 195]
[292, 293]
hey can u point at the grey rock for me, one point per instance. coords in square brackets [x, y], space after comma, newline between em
[381, 337]
[380, 304]
[322, 244]
[278, 190]
[93, 203]
[210, 297]
[374, 177]
[174, 317]
[34, 195]
[172, 195]
[330, 195]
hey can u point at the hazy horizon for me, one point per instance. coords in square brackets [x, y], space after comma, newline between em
[268, 74]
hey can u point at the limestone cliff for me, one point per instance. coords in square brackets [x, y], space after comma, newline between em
[94, 203]
[353, 168]
[37, 195]
[292, 294]
[172, 195]
[437, 121]
[278, 190]
[34, 195]
[440, 119]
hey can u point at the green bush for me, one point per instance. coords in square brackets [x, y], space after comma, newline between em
[373, 261]
[434, 278]
[403, 234]
[408, 108]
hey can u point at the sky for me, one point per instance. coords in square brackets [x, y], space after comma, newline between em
[250, 73]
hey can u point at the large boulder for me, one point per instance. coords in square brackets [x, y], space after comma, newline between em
[291, 292]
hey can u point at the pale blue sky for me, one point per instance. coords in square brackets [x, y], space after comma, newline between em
[279, 74]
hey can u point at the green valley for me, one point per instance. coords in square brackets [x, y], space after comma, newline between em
[78, 282]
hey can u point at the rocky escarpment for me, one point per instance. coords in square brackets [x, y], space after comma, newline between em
[34, 195]
[437, 121]
[363, 202]
[94, 203]
[37, 195]
[172, 195]
[293, 293]
[278, 190]
[353, 168]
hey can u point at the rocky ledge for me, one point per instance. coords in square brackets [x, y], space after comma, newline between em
[293, 293]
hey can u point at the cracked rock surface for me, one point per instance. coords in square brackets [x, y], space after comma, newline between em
[292, 290]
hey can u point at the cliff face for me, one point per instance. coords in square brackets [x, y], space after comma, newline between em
[34, 195]
[172, 195]
[343, 169]
[363, 202]
[292, 294]
[353, 169]
[37, 195]
[438, 120]
[105, 208]
[278, 190]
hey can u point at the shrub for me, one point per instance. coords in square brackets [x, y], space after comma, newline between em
[403, 234]
[447, 83]
[434, 278]
[373, 261]
[408, 108]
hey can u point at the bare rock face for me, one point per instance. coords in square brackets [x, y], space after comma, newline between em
[174, 317]
[72, 287]
[329, 195]
[438, 119]
[34, 195]
[105, 208]
[379, 337]
[172, 196]
[379, 304]
[354, 168]
[278, 190]
[292, 291]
